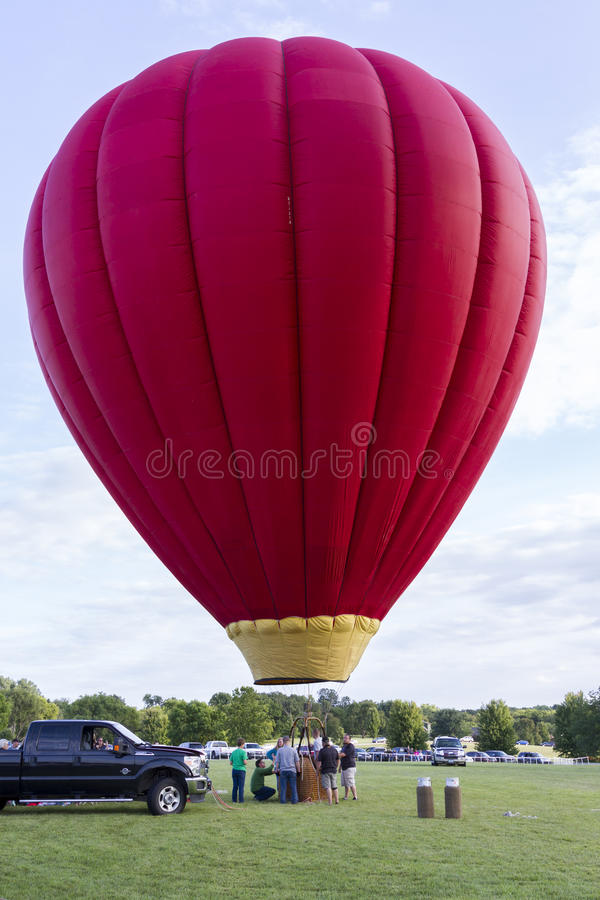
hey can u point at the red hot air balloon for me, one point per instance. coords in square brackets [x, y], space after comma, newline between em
[285, 296]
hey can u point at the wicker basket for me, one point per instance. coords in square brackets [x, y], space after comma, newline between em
[309, 787]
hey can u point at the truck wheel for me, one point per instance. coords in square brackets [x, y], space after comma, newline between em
[166, 796]
[3, 802]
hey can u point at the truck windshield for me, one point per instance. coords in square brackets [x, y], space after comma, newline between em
[131, 737]
[449, 742]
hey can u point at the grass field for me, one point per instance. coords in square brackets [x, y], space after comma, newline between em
[374, 848]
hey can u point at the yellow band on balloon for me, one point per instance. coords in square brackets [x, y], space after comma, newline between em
[295, 650]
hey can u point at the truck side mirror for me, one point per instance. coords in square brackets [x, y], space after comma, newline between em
[122, 749]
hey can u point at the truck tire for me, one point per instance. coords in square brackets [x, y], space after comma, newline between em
[167, 796]
[3, 802]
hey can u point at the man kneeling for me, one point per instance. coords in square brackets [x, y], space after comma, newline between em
[257, 784]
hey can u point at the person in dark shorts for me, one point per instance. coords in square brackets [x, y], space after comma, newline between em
[327, 765]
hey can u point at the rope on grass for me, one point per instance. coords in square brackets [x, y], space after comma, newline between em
[220, 800]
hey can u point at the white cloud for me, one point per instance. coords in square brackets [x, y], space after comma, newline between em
[497, 614]
[563, 385]
[378, 9]
[264, 18]
[280, 29]
[55, 513]
[192, 8]
[511, 613]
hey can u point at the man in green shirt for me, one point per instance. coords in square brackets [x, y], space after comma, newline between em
[238, 761]
[257, 784]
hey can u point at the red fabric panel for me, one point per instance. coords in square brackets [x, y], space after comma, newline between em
[343, 171]
[86, 308]
[146, 240]
[493, 314]
[436, 249]
[497, 413]
[237, 182]
[99, 446]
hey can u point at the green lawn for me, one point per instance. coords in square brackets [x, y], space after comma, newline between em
[375, 848]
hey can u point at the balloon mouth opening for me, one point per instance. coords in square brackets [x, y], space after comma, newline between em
[298, 650]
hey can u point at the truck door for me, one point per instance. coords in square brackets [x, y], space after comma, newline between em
[47, 768]
[102, 769]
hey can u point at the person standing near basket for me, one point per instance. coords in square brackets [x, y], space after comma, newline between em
[327, 766]
[287, 765]
[348, 767]
[238, 761]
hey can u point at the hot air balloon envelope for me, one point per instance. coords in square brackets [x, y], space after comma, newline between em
[285, 296]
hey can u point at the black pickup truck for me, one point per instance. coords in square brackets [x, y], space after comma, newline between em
[99, 761]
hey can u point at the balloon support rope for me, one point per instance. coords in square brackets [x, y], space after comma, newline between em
[221, 802]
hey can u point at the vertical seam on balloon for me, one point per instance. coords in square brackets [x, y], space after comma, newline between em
[387, 329]
[503, 371]
[137, 377]
[53, 387]
[210, 354]
[443, 493]
[298, 333]
[410, 489]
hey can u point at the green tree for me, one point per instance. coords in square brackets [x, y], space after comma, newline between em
[103, 706]
[154, 725]
[328, 700]
[247, 716]
[335, 729]
[405, 725]
[25, 703]
[496, 727]
[4, 715]
[221, 699]
[577, 725]
[152, 700]
[451, 722]
[362, 718]
[283, 709]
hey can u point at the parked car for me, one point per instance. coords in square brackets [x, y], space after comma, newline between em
[217, 750]
[447, 751]
[529, 756]
[379, 754]
[548, 744]
[501, 756]
[254, 751]
[523, 743]
[400, 754]
[195, 745]
[363, 755]
[478, 756]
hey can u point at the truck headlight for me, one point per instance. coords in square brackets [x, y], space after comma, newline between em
[193, 764]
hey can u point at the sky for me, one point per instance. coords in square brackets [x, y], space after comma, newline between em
[508, 606]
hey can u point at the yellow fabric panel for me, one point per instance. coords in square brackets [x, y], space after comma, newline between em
[296, 650]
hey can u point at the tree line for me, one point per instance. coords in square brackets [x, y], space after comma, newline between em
[574, 724]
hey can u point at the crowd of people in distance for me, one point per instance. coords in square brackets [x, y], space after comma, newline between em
[283, 761]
